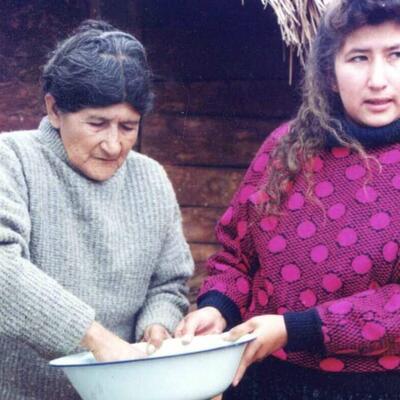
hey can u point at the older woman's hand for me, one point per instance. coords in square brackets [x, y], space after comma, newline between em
[204, 321]
[154, 335]
[271, 336]
[106, 346]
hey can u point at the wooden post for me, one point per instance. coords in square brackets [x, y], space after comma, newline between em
[95, 9]
[135, 18]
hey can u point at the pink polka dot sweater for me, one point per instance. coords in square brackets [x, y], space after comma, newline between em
[330, 266]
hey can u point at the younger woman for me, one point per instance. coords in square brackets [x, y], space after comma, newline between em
[310, 256]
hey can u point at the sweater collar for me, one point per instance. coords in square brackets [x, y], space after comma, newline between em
[50, 137]
[369, 137]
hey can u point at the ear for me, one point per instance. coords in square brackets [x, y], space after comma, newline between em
[52, 111]
[333, 84]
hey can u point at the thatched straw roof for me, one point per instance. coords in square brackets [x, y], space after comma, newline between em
[298, 20]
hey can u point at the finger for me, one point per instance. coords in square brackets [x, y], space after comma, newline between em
[136, 352]
[180, 332]
[247, 358]
[146, 335]
[179, 329]
[167, 335]
[190, 329]
[238, 331]
[260, 355]
[157, 335]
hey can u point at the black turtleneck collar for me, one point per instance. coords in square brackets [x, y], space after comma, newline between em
[368, 136]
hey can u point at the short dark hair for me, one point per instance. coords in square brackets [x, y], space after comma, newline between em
[99, 66]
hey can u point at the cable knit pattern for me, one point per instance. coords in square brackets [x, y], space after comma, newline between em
[330, 265]
[72, 249]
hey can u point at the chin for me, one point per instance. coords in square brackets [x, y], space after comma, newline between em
[379, 123]
[376, 121]
[99, 177]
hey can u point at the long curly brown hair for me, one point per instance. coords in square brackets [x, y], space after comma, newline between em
[319, 115]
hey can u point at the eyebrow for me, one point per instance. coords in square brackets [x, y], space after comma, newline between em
[367, 49]
[98, 117]
[394, 47]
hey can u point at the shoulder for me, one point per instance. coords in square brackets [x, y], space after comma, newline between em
[275, 136]
[152, 179]
[260, 160]
[13, 143]
[148, 171]
[18, 140]
[140, 163]
[22, 153]
[14, 146]
[17, 136]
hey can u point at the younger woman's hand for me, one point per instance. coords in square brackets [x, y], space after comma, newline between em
[204, 321]
[154, 335]
[271, 336]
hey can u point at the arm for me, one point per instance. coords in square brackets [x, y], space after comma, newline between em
[34, 307]
[228, 286]
[226, 292]
[166, 301]
[365, 324]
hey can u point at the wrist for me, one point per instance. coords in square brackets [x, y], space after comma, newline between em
[223, 304]
[283, 332]
[214, 311]
[95, 336]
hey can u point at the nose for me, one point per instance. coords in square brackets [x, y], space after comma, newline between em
[377, 79]
[111, 145]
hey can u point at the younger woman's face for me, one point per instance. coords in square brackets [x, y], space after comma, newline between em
[367, 72]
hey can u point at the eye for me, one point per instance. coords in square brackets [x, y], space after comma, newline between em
[129, 128]
[96, 124]
[358, 59]
[395, 55]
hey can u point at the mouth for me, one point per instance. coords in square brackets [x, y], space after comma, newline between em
[378, 104]
[383, 100]
[108, 160]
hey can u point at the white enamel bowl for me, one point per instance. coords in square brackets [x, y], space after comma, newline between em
[196, 371]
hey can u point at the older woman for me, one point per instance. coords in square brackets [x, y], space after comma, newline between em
[91, 247]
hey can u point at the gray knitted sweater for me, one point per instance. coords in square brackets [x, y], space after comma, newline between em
[73, 250]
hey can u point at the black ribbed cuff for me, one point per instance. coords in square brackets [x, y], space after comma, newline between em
[304, 330]
[223, 304]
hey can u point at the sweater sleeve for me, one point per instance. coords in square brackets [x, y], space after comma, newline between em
[166, 300]
[230, 270]
[34, 308]
[364, 324]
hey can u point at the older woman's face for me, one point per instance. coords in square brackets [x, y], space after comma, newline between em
[97, 140]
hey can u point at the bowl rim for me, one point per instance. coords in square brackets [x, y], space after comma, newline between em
[247, 338]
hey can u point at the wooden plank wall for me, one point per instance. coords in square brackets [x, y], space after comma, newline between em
[28, 31]
[222, 87]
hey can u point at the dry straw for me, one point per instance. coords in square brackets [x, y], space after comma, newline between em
[298, 21]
